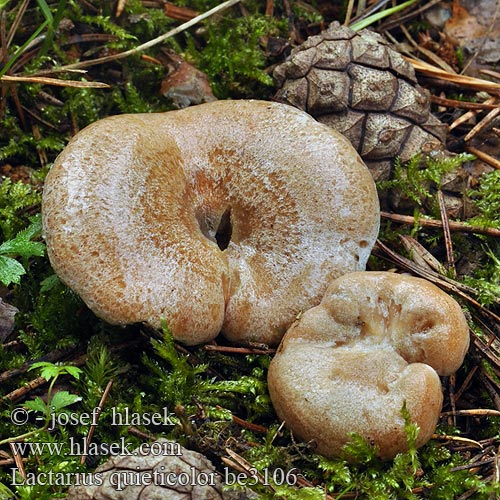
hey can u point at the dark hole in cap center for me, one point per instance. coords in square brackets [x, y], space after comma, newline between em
[224, 231]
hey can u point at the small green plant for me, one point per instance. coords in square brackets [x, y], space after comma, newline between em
[61, 399]
[415, 181]
[487, 200]
[233, 58]
[182, 381]
[55, 402]
[16, 199]
[42, 446]
[486, 279]
[21, 246]
[99, 369]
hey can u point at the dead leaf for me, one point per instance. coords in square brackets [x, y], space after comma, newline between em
[185, 85]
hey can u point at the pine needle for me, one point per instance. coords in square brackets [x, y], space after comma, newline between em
[462, 80]
[54, 81]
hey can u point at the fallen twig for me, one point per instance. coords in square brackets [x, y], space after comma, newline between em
[466, 383]
[428, 53]
[447, 234]
[180, 13]
[479, 412]
[458, 439]
[238, 350]
[88, 439]
[443, 282]
[460, 227]
[489, 385]
[392, 23]
[246, 424]
[240, 464]
[453, 103]
[484, 157]
[482, 124]
[54, 81]
[461, 80]
[470, 114]
[420, 255]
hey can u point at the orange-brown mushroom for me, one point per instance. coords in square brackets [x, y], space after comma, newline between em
[377, 341]
[232, 215]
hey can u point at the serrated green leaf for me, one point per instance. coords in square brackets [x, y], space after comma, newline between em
[22, 248]
[74, 371]
[21, 244]
[40, 364]
[62, 399]
[36, 404]
[49, 370]
[34, 229]
[10, 270]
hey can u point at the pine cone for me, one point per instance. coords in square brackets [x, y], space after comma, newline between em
[357, 84]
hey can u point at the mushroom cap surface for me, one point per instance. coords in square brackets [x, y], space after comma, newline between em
[136, 205]
[376, 341]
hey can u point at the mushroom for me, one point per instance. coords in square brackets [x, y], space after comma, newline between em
[231, 215]
[378, 341]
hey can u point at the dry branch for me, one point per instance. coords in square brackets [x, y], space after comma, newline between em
[54, 81]
[459, 227]
[461, 80]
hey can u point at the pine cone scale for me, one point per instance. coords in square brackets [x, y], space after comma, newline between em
[356, 83]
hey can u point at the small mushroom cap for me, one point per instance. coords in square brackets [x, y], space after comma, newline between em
[136, 205]
[377, 341]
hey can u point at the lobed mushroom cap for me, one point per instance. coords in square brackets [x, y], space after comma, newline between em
[135, 207]
[377, 341]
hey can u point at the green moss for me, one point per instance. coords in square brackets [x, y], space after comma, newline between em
[419, 177]
[233, 57]
[486, 279]
[181, 383]
[202, 389]
[16, 200]
[487, 200]
[55, 319]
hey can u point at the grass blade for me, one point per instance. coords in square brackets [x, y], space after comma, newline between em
[363, 23]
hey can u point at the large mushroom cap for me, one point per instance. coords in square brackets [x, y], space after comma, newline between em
[376, 342]
[232, 216]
